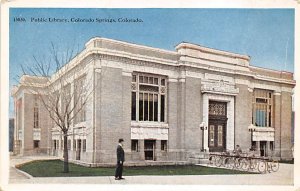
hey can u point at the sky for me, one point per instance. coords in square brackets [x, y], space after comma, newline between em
[266, 35]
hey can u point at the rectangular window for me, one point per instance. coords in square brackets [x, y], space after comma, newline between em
[151, 105]
[74, 144]
[220, 135]
[134, 145]
[83, 145]
[272, 145]
[133, 78]
[150, 91]
[54, 144]
[164, 145]
[211, 135]
[133, 106]
[141, 104]
[162, 108]
[146, 104]
[69, 144]
[59, 146]
[155, 108]
[262, 108]
[36, 144]
[80, 100]
[66, 99]
[36, 112]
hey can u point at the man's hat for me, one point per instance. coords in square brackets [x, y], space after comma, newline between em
[121, 140]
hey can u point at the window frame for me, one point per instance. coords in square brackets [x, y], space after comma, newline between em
[83, 145]
[36, 112]
[263, 100]
[80, 115]
[150, 81]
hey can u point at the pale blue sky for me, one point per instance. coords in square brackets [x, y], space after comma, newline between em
[260, 33]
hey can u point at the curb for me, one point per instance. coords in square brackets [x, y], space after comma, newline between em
[23, 173]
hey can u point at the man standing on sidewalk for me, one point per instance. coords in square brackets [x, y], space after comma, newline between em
[120, 160]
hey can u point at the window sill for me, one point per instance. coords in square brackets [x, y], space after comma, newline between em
[261, 129]
[149, 124]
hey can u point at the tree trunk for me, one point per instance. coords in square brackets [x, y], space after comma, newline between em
[66, 156]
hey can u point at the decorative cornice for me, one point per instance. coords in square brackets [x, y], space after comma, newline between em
[211, 50]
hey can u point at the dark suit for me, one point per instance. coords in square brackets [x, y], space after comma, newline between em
[120, 161]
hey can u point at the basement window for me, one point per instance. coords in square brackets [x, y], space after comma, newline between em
[135, 145]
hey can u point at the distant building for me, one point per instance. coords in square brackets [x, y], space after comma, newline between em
[11, 134]
[166, 105]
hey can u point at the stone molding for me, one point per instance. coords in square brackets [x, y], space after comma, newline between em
[149, 124]
[218, 84]
[219, 87]
[149, 133]
[230, 116]
[37, 134]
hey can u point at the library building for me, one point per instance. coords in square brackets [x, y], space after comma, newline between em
[168, 106]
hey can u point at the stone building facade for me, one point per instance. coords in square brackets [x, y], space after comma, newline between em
[166, 105]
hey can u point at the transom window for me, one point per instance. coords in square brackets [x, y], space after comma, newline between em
[217, 108]
[148, 101]
[262, 108]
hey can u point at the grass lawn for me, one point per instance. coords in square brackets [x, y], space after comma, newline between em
[54, 168]
[287, 161]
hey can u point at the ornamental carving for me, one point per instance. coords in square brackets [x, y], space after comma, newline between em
[217, 108]
[219, 87]
[133, 87]
[163, 90]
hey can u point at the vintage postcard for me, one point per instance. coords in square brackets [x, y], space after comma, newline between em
[122, 96]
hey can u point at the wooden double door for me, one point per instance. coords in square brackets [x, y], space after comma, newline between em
[217, 126]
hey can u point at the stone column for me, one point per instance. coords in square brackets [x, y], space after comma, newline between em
[141, 149]
[157, 152]
[174, 139]
[277, 123]
[205, 120]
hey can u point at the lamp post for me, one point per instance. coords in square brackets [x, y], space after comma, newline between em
[251, 130]
[202, 128]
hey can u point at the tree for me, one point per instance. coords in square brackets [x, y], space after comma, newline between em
[64, 92]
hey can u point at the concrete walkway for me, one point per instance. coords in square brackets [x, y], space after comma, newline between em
[284, 176]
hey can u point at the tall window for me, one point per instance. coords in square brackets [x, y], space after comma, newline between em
[211, 135]
[69, 144]
[66, 98]
[79, 100]
[148, 101]
[36, 112]
[262, 108]
[74, 144]
[19, 117]
[83, 145]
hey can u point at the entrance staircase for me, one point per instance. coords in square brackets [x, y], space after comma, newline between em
[199, 158]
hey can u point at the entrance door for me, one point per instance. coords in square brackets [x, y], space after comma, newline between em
[263, 148]
[217, 126]
[149, 148]
[78, 149]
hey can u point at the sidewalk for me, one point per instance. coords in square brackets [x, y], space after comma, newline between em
[284, 176]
